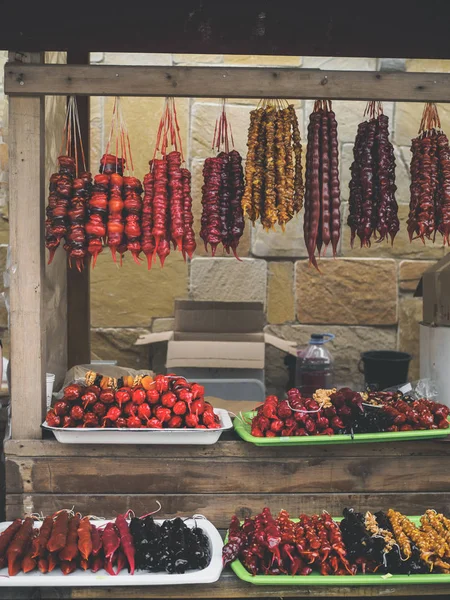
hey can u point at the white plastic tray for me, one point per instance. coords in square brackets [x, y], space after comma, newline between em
[102, 578]
[199, 437]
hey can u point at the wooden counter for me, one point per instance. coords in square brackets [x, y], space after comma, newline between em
[228, 587]
[228, 477]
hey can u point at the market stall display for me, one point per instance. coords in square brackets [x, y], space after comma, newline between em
[372, 205]
[335, 416]
[107, 410]
[68, 549]
[360, 549]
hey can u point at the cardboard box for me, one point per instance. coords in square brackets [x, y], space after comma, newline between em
[435, 359]
[217, 334]
[434, 287]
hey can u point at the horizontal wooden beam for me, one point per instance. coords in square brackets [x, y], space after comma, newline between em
[220, 82]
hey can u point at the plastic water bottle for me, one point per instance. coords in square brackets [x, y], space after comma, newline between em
[314, 369]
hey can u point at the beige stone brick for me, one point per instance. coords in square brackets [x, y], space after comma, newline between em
[197, 59]
[134, 58]
[402, 176]
[278, 244]
[428, 65]
[142, 116]
[197, 182]
[280, 292]
[339, 63]
[4, 230]
[163, 324]
[410, 272]
[131, 296]
[402, 247]
[347, 292]
[407, 120]
[346, 350]
[348, 116]
[259, 60]
[410, 315]
[228, 280]
[203, 123]
[118, 344]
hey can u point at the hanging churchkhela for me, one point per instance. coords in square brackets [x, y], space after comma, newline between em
[167, 206]
[322, 218]
[273, 170]
[114, 210]
[429, 208]
[222, 219]
[70, 189]
[372, 205]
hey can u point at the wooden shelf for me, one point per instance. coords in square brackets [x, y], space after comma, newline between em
[229, 586]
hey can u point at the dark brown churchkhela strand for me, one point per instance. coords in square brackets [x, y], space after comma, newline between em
[372, 205]
[322, 220]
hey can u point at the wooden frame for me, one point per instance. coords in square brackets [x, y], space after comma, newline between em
[230, 82]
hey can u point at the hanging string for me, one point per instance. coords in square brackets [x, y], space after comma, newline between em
[169, 135]
[72, 141]
[222, 131]
[118, 135]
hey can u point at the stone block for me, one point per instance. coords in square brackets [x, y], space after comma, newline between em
[280, 292]
[346, 350]
[402, 247]
[133, 58]
[203, 123]
[96, 57]
[410, 272]
[4, 229]
[118, 344]
[278, 244]
[339, 63]
[131, 296]
[428, 65]
[347, 292]
[392, 64]
[346, 160]
[410, 315]
[162, 324]
[407, 120]
[142, 116]
[348, 116]
[259, 60]
[197, 183]
[197, 59]
[228, 280]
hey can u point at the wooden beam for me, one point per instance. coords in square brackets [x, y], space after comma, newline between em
[27, 272]
[218, 82]
[78, 300]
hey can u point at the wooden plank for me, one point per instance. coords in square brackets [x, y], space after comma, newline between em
[27, 273]
[220, 507]
[229, 445]
[78, 301]
[218, 82]
[225, 475]
[229, 586]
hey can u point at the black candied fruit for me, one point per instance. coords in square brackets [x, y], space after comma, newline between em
[172, 547]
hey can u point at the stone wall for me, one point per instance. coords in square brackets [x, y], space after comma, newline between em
[364, 297]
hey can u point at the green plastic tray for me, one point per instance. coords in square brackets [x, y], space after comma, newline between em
[243, 431]
[316, 579]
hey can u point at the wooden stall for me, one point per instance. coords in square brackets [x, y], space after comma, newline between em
[42, 475]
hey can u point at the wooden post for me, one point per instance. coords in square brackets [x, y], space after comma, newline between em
[27, 271]
[78, 299]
